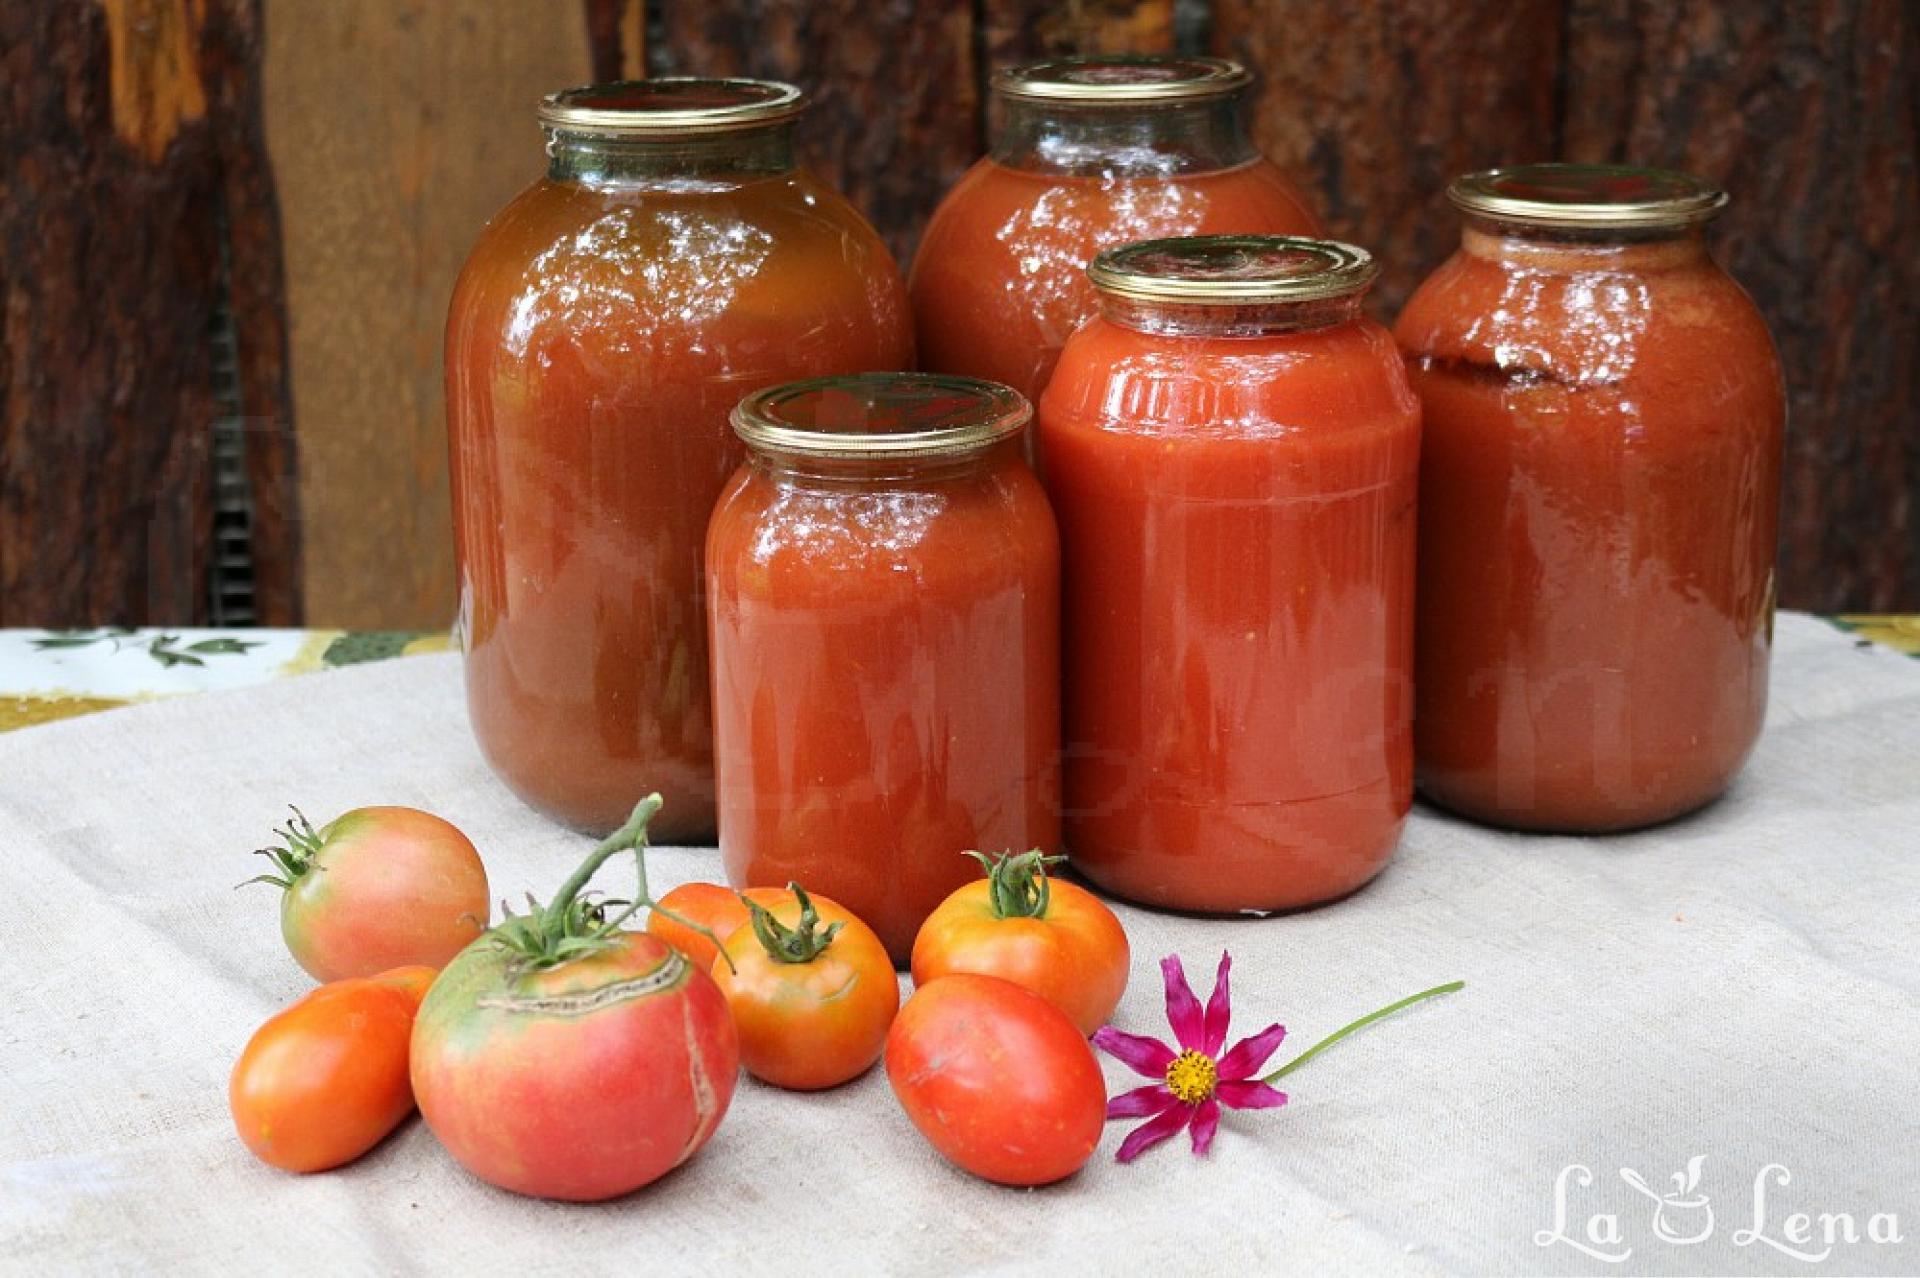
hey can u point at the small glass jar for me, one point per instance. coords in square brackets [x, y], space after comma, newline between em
[1232, 450]
[884, 580]
[1599, 501]
[607, 320]
[1092, 153]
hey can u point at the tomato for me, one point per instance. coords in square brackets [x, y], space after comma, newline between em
[325, 1080]
[713, 906]
[812, 1006]
[375, 889]
[1052, 937]
[562, 1057]
[997, 1079]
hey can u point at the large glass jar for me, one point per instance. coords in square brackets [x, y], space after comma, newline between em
[1092, 153]
[1232, 450]
[1599, 496]
[885, 577]
[672, 259]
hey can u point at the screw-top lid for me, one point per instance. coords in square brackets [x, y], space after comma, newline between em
[1121, 79]
[670, 106]
[1214, 270]
[1587, 196]
[880, 415]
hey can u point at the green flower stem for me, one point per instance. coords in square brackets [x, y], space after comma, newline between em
[1362, 1023]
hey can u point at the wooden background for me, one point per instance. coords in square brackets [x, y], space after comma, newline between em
[230, 227]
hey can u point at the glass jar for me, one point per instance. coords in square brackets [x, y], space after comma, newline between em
[672, 259]
[1092, 153]
[1232, 451]
[884, 576]
[1599, 498]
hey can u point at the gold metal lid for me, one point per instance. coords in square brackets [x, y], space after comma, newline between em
[881, 415]
[670, 106]
[1120, 79]
[1214, 270]
[1587, 196]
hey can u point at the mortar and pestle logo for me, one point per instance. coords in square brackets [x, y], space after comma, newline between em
[1688, 1207]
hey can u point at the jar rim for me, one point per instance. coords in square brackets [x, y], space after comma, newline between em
[1587, 196]
[1214, 270]
[1121, 79]
[880, 415]
[670, 106]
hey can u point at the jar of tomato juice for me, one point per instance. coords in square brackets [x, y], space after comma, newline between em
[608, 319]
[1092, 153]
[884, 576]
[1599, 497]
[1232, 447]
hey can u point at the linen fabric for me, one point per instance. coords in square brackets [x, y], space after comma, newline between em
[1742, 986]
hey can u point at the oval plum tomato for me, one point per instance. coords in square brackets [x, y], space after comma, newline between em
[997, 1079]
[374, 889]
[812, 1005]
[712, 906]
[561, 1057]
[1052, 937]
[325, 1080]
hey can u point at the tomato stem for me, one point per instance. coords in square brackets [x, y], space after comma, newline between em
[1017, 885]
[801, 944]
[294, 859]
[1362, 1023]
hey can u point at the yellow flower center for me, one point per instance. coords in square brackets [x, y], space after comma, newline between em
[1191, 1077]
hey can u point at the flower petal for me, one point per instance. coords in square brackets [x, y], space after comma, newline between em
[1219, 1009]
[1249, 1054]
[1206, 1121]
[1153, 1131]
[1154, 1098]
[1250, 1093]
[1145, 1056]
[1183, 1009]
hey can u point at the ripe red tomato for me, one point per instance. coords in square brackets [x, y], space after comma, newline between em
[325, 1080]
[1052, 937]
[377, 888]
[713, 906]
[561, 1057]
[997, 1079]
[812, 1005]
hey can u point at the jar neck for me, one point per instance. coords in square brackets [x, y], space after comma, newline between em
[1561, 249]
[1238, 319]
[882, 472]
[599, 160]
[1145, 140]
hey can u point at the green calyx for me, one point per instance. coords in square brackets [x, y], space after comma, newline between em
[1017, 885]
[300, 844]
[802, 944]
[576, 923]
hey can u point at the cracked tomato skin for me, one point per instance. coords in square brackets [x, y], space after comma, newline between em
[325, 1080]
[389, 887]
[997, 1079]
[807, 1026]
[582, 1081]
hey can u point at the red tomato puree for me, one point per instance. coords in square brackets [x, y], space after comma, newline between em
[1598, 509]
[886, 644]
[1235, 487]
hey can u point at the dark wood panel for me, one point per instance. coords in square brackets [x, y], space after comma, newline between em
[896, 105]
[130, 158]
[1375, 105]
[386, 189]
[1806, 113]
[616, 30]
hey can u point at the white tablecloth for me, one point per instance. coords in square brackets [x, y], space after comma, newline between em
[1742, 986]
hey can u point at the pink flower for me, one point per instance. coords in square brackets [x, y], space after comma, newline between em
[1196, 1080]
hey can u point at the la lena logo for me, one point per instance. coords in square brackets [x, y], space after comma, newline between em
[1682, 1216]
